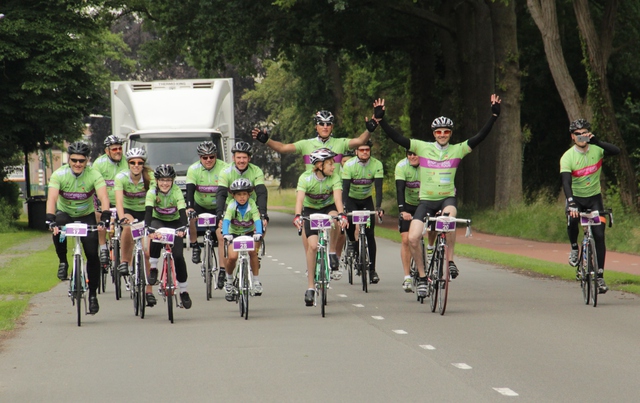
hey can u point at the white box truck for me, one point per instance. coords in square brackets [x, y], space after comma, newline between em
[170, 118]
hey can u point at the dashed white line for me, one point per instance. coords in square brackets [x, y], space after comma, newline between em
[297, 271]
[400, 331]
[378, 317]
[461, 365]
[358, 305]
[427, 347]
[342, 296]
[505, 391]
[281, 264]
[275, 260]
[289, 268]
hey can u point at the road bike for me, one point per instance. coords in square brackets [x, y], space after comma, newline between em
[78, 286]
[115, 258]
[362, 261]
[138, 274]
[347, 259]
[438, 275]
[322, 223]
[242, 276]
[209, 270]
[168, 282]
[587, 271]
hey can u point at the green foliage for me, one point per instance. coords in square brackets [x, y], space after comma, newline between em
[10, 204]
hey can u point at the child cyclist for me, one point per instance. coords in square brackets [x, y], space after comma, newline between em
[165, 207]
[319, 191]
[242, 217]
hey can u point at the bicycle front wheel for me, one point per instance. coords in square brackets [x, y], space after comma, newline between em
[206, 266]
[117, 281]
[246, 288]
[77, 284]
[593, 271]
[443, 284]
[323, 285]
[363, 266]
[167, 267]
[434, 274]
[585, 279]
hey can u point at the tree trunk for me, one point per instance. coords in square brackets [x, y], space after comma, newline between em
[423, 107]
[507, 129]
[337, 91]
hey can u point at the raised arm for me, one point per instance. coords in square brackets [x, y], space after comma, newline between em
[264, 137]
[378, 114]
[484, 132]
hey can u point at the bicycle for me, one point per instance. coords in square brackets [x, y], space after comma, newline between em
[322, 223]
[242, 278]
[78, 286]
[115, 258]
[438, 273]
[362, 218]
[138, 275]
[347, 260]
[168, 282]
[587, 271]
[209, 269]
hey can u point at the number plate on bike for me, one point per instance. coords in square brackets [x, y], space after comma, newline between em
[76, 229]
[206, 220]
[445, 224]
[591, 219]
[167, 235]
[320, 221]
[137, 230]
[243, 243]
[114, 214]
[360, 217]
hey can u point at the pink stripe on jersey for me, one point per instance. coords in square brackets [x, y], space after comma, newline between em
[433, 164]
[587, 170]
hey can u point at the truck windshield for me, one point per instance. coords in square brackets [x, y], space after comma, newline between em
[177, 151]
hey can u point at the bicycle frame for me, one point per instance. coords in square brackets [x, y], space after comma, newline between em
[243, 278]
[168, 282]
[78, 284]
[588, 261]
[139, 274]
[322, 223]
[362, 218]
[209, 261]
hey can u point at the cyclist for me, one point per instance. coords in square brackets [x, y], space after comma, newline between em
[109, 165]
[70, 198]
[318, 191]
[580, 169]
[324, 122]
[242, 218]
[202, 184]
[359, 175]
[407, 193]
[242, 168]
[438, 164]
[165, 207]
[131, 189]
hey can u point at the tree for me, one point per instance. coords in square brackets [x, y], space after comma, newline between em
[597, 105]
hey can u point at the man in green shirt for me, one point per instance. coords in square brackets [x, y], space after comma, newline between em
[70, 198]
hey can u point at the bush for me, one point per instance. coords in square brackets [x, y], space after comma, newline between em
[10, 205]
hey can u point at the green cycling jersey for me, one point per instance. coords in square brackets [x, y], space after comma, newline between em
[206, 183]
[585, 169]
[231, 173]
[307, 146]
[411, 176]
[76, 192]
[134, 194]
[318, 193]
[239, 223]
[361, 176]
[109, 169]
[166, 206]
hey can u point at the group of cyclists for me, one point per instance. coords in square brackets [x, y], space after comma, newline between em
[235, 192]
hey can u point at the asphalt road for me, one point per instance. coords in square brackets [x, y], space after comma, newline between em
[504, 337]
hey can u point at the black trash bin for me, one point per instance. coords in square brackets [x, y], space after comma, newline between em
[37, 212]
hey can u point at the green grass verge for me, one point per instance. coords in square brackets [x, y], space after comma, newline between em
[10, 311]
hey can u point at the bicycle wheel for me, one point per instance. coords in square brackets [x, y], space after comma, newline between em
[206, 266]
[141, 282]
[434, 274]
[322, 282]
[443, 284]
[117, 281]
[246, 288]
[583, 270]
[167, 267]
[77, 284]
[364, 269]
[134, 290]
[593, 271]
[102, 287]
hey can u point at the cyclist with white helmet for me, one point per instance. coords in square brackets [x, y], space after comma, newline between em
[131, 189]
[319, 191]
[359, 177]
[69, 199]
[203, 177]
[165, 207]
[324, 123]
[580, 168]
[439, 161]
[242, 218]
[109, 165]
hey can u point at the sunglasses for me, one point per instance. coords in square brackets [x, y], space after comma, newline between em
[78, 161]
[446, 131]
[324, 124]
[115, 148]
[208, 157]
[136, 163]
[364, 150]
[581, 133]
[409, 154]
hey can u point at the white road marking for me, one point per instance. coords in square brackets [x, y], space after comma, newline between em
[275, 260]
[378, 317]
[342, 296]
[427, 347]
[289, 268]
[297, 271]
[399, 331]
[461, 365]
[505, 391]
[281, 264]
[358, 305]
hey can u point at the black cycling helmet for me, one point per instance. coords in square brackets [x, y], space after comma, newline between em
[242, 147]
[79, 148]
[207, 148]
[321, 154]
[442, 122]
[241, 185]
[579, 124]
[324, 117]
[111, 140]
[164, 171]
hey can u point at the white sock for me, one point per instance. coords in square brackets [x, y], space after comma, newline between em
[153, 263]
[256, 278]
[103, 247]
[407, 277]
[182, 287]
